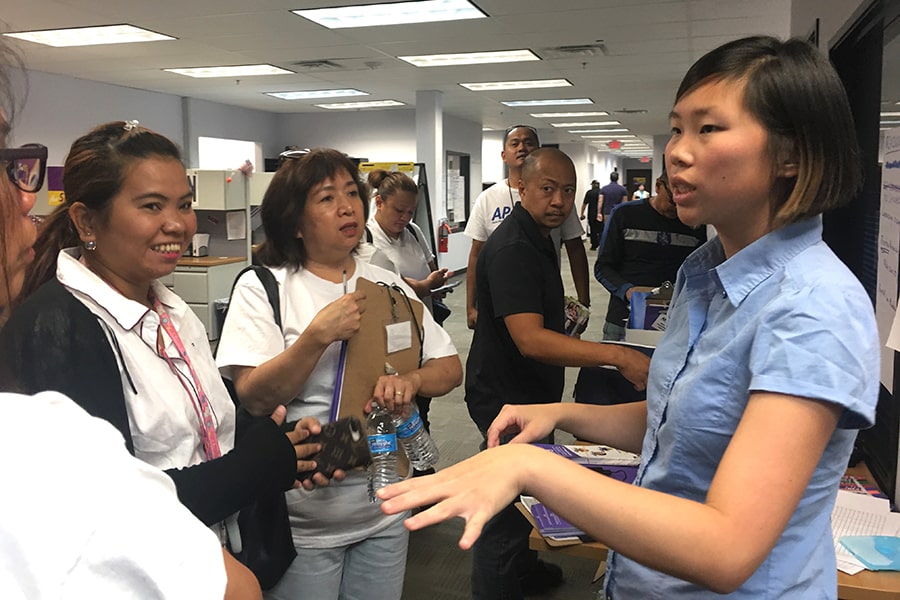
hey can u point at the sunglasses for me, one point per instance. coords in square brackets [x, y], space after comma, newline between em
[25, 166]
[528, 127]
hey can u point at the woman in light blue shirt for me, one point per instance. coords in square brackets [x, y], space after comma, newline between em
[768, 368]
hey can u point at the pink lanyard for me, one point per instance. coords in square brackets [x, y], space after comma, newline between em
[201, 404]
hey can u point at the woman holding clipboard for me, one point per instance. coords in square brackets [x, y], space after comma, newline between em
[314, 215]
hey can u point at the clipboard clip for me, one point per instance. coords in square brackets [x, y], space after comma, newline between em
[420, 331]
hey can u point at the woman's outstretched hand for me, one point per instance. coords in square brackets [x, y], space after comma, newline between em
[475, 489]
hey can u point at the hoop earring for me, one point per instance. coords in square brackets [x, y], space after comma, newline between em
[90, 245]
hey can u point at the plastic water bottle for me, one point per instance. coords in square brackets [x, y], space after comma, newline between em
[383, 447]
[415, 439]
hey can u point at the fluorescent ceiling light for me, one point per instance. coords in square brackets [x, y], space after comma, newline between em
[608, 137]
[470, 58]
[315, 94]
[596, 130]
[371, 104]
[558, 102]
[890, 123]
[890, 114]
[525, 84]
[231, 71]
[586, 124]
[392, 13]
[570, 115]
[90, 36]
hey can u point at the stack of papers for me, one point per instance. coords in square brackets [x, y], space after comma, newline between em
[549, 524]
[860, 514]
[617, 464]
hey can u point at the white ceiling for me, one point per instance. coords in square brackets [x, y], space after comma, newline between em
[649, 44]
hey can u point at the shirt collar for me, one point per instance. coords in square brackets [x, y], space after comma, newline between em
[529, 227]
[73, 274]
[740, 274]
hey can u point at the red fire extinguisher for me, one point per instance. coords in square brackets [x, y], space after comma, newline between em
[444, 232]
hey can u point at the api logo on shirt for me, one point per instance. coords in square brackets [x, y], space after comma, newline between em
[500, 213]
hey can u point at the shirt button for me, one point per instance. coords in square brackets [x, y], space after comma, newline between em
[724, 294]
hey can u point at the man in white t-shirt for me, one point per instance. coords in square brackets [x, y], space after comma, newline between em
[495, 203]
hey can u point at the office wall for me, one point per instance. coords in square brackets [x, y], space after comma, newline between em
[379, 136]
[60, 109]
[211, 119]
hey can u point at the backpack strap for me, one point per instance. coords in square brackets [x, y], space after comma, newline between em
[368, 235]
[271, 287]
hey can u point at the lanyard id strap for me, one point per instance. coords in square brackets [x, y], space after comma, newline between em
[201, 403]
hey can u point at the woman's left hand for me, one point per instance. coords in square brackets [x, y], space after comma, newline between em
[475, 489]
[395, 392]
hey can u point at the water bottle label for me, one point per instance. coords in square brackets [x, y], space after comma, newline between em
[410, 428]
[381, 443]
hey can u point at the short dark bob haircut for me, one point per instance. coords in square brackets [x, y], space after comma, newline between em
[795, 93]
[284, 203]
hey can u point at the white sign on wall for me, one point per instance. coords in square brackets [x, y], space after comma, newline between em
[888, 251]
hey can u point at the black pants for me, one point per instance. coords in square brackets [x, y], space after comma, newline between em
[500, 556]
[595, 229]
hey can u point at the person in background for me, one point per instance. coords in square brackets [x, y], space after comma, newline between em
[494, 204]
[771, 357]
[611, 195]
[398, 237]
[643, 245]
[111, 537]
[98, 326]
[394, 233]
[314, 214]
[519, 351]
[640, 193]
[592, 203]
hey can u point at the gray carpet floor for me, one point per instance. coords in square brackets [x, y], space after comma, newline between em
[436, 568]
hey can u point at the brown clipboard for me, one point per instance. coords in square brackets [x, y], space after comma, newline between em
[367, 349]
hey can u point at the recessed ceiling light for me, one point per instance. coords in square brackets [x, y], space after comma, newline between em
[558, 101]
[609, 137]
[608, 130]
[231, 71]
[315, 94]
[470, 58]
[90, 36]
[392, 13]
[525, 84]
[569, 115]
[370, 104]
[586, 124]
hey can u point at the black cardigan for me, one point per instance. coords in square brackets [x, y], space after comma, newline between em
[53, 342]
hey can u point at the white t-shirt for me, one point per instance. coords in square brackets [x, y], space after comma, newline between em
[408, 253]
[341, 513]
[111, 526]
[495, 203]
[164, 425]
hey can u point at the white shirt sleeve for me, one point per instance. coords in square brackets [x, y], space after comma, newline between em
[571, 227]
[93, 521]
[476, 227]
[250, 335]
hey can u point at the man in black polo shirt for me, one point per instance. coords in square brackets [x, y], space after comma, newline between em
[519, 352]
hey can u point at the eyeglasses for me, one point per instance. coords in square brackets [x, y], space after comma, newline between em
[528, 127]
[25, 166]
